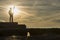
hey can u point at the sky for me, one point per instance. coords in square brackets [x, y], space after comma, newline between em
[33, 13]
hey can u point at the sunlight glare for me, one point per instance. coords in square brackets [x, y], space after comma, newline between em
[15, 9]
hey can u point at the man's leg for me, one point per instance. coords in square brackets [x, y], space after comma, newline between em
[10, 19]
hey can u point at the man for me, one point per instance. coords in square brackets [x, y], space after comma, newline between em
[11, 15]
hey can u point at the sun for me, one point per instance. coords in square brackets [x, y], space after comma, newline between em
[15, 9]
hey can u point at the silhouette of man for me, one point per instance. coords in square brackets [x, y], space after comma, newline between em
[11, 15]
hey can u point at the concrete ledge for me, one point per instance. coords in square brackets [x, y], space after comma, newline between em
[12, 28]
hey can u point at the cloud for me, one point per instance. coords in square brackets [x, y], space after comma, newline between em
[56, 21]
[2, 21]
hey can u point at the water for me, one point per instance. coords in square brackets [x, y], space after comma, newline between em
[13, 37]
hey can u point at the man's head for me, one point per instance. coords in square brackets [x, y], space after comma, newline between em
[10, 8]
